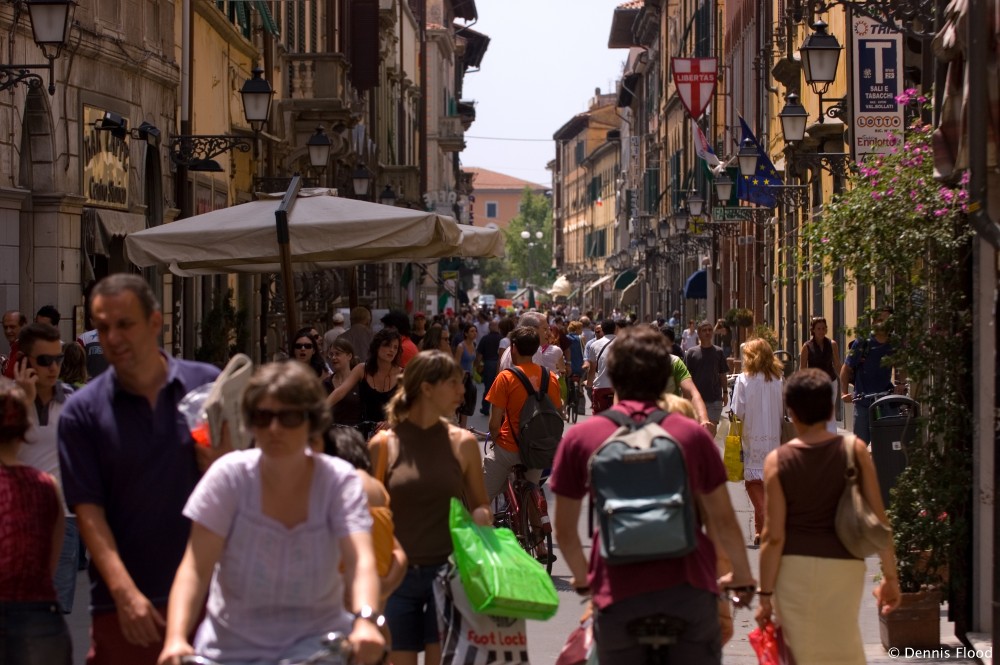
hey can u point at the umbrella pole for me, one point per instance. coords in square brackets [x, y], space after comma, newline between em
[285, 252]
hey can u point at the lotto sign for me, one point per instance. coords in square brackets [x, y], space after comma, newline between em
[878, 80]
[695, 81]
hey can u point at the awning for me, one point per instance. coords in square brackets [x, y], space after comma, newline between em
[624, 279]
[118, 223]
[520, 295]
[594, 285]
[696, 286]
[630, 296]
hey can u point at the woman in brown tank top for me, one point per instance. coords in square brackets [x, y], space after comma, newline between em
[429, 462]
[822, 353]
[814, 583]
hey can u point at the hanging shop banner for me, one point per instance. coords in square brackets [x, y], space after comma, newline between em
[105, 164]
[695, 80]
[878, 79]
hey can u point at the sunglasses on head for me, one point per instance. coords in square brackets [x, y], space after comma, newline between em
[45, 360]
[289, 418]
[299, 347]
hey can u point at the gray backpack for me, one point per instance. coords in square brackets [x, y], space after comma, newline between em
[540, 424]
[639, 483]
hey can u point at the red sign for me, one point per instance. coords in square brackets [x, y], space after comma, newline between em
[695, 81]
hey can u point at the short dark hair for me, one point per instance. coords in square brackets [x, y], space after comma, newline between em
[382, 338]
[14, 422]
[347, 444]
[639, 364]
[50, 313]
[609, 326]
[118, 283]
[33, 332]
[669, 333]
[809, 394]
[398, 320]
[525, 340]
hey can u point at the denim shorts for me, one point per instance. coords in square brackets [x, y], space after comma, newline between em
[411, 612]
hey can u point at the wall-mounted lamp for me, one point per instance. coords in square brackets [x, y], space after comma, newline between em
[793, 119]
[387, 197]
[50, 23]
[361, 179]
[820, 56]
[319, 145]
[747, 158]
[724, 187]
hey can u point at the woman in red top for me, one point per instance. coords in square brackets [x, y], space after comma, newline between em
[31, 529]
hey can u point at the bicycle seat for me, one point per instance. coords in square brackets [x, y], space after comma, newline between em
[656, 630]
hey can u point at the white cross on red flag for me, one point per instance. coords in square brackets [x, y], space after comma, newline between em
[695, 80]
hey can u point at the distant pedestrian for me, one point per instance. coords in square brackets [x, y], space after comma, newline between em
[709, 372]
[822, 353]
[336, 330]
[757, 401]
[868, 367]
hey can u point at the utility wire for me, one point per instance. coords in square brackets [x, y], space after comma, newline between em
[502, 138]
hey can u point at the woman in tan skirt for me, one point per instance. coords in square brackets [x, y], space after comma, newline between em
[808, 579]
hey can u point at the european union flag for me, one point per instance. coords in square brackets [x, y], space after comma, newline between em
[756, 188]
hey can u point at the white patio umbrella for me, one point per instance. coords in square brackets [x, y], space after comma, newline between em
[324, 231]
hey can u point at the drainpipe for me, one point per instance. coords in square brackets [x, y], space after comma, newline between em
[183, 195]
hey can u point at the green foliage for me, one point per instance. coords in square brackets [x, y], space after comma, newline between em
[739, 316]
[904, 234]
[766, 332]
[531, 258]
[224, 331]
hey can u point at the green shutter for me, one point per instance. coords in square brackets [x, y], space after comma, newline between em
[265, 17]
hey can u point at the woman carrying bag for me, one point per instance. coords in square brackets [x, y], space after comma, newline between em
[429, 461]
[822, 353]
[757, 401]
[809, 580]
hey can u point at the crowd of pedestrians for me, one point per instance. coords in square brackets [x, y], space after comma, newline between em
[254, 555]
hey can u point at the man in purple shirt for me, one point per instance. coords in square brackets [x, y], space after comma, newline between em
[128, 465]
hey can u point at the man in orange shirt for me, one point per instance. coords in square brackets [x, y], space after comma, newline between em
[507, 398]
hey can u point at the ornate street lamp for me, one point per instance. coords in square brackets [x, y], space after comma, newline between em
[319, 145]
[361, 179]
[257, 94]
[724, 187]
[696, 204]
[50, 23]
[387, 197]
[793, 119]
[820, 56]
[747, 157]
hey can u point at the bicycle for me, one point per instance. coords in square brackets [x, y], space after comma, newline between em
[576, 402]
[520, 507]
[334, 650]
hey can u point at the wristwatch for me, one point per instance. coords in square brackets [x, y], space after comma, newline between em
[366, 612]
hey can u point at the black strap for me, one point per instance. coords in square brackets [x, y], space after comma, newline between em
[601, 352]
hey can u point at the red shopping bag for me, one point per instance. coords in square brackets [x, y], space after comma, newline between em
[769, 646]
[578, 645]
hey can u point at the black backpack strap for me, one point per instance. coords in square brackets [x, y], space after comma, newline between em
[544, 385]
[656, 416]
[523, 378]
[625, 420]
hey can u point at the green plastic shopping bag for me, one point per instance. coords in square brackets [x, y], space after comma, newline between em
[499, 577]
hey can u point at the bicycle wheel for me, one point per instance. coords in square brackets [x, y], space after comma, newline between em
[574, 409]
[534, 539]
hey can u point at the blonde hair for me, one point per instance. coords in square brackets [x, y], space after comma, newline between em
[758, 358]
[426, 367]
[574, 328]
[672, 403]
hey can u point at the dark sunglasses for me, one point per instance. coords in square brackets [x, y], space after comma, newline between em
[299, 347]
[289, 418]
[44, 359]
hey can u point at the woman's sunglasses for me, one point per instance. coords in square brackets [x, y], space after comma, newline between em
[301, 347]
[45, 360]
[289, 418]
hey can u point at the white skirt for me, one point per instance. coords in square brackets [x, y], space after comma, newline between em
[817, 601]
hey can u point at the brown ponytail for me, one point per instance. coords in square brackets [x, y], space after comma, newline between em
[426, 367]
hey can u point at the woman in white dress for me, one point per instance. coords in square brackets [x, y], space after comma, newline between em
[757, 401]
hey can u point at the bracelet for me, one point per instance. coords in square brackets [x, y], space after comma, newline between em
[764, 594]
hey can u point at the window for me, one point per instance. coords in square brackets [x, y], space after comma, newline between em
[492, 209]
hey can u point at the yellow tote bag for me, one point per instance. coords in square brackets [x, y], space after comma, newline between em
[732, 457]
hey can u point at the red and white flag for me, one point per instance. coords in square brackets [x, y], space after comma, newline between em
[702, 147]
[695, 80]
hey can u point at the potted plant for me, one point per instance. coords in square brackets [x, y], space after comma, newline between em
[739, 316]
[920, 262]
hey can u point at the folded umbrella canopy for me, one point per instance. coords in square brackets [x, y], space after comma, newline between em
[324, 231]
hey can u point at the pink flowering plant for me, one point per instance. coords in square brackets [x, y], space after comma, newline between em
[900, 234]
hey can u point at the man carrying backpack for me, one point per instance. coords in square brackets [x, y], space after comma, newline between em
[669, 476]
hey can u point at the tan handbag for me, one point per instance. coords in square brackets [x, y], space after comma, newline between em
[856, 524]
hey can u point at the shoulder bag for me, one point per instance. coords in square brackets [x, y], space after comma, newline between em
[856, 524]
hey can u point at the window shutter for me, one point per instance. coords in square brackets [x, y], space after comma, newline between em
[364, 44]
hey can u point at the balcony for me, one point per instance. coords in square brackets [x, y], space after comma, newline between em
[451, 134]
[318, 82]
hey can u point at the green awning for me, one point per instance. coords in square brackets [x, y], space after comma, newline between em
[265, 16]
[624, 279]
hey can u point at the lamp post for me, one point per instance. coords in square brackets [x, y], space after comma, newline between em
[387, 197]
[526, 237]
[50, 23]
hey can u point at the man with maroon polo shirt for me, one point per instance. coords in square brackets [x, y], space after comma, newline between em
[684, 587]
